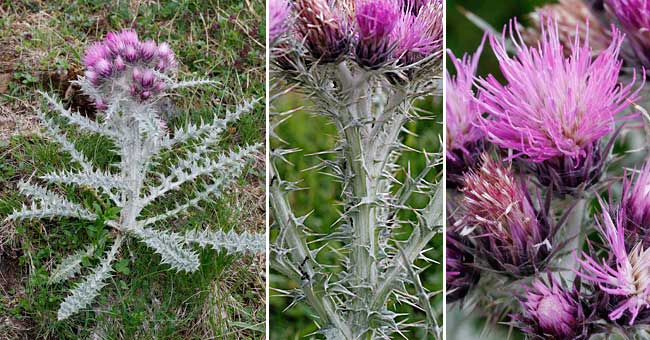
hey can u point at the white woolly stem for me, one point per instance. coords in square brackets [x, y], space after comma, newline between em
[300, 251]
[573, 229]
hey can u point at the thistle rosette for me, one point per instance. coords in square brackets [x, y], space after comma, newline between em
[461, 273]
[551, 311]
[122, 66]
[559, 128]
[464, 138]
[633, 17]
[279, 11]
[498, 214]
[622, 277]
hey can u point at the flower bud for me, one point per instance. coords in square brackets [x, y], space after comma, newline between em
[130, 53]
[498, 214]
[635, 206]
[632, 17]
[553, 311]
[147, 79]
[323, 30]
[103, 68]
[148, 50]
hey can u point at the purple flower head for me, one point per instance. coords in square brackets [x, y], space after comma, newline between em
[417, 36]
[551, 311]
[376, 20]
[623, 274]
[635, 205]
[464, 138]
[323, 29]
[499, 216]
[633, 16]
[461, 273]
[552, 105]
[122, 63]
[279, 11]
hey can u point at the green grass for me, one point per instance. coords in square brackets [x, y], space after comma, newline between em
[311, 134]
[225, 298]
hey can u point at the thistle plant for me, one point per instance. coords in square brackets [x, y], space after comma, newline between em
[127, 79]
[535, 245]
[363, 65]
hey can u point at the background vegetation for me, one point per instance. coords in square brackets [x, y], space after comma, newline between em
[41, 43]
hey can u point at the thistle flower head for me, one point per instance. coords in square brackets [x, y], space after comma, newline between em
[323, 29]
[510, 234]
[623, 274]
[418, 33]
[551, 311]
[633, 16]
[635, 207]
[542, 121]
[376, 20]
[279, 11]
[463, 112]
[124, 64]
[461, 274]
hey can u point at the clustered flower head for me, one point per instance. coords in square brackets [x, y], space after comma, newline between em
[124, 64]
[464, 137]
[551, 311]
[633, 17]
[374, 33]
[635, 207]
[279, 11]
[562, 124]
[500, 217]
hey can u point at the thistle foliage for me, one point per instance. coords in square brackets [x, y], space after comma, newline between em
[130, 117]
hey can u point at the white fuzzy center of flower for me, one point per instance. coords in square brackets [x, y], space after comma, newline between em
[550, 309]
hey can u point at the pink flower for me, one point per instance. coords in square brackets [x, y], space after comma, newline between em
[624, 274]
[418, 34]
[552, 105]
[463, 111]
[376, 20]
[279, 11]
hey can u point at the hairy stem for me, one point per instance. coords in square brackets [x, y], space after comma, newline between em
[574, 230]
[322, 304]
